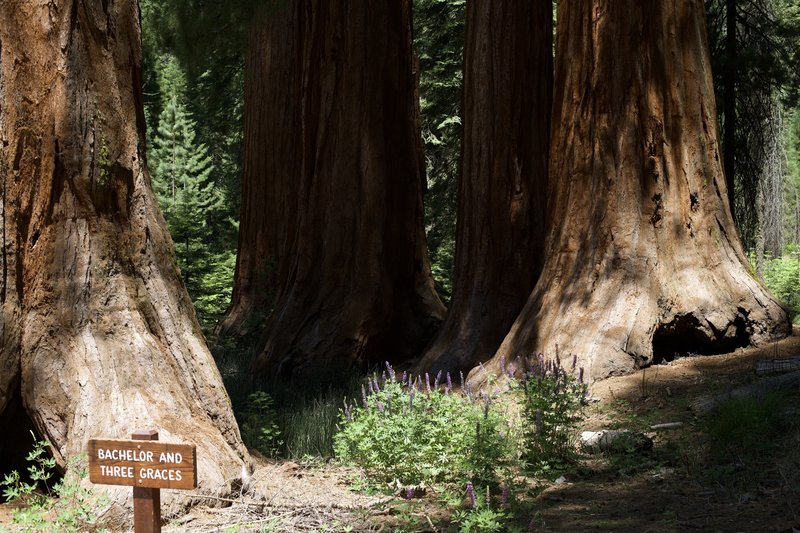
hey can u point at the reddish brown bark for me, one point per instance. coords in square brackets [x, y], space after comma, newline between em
[643, 260]
[271, 159]
[354, 285]
[507, 97]
[97, 333]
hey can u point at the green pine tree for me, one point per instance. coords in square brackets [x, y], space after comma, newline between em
[192, 204]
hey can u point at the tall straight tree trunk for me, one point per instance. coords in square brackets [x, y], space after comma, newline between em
[729, 102]
[507, 96]
[643, 260]
[271, 165]
[354, 284]
[97, 333]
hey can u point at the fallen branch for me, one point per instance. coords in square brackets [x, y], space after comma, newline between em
[707, 405]
[667, 425]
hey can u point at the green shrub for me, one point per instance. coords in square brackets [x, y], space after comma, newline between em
[72, 506]
[259, 424]
[552, 402]
[782, 277]
[480, 516]
[418, 434]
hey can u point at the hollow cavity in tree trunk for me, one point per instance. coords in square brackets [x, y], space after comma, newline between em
[686, 335]
[17, 438]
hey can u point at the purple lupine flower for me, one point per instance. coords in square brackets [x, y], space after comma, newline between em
[390, 370]
[471, 495]
[449, 382]
[511, 370]
[468, 390]
[462, 378]
[409, 492]
[371, 386]
[363, 395]
[437, 380]
[411, 393]
[348, 413]
[428, 382]
[377, 387]
[405, 375]
[504, 495]
[381, 407]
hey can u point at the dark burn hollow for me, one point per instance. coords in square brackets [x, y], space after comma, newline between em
[685, 336]
[17, 436]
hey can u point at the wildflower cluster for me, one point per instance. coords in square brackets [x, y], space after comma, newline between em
[417, 430]
[552, 402]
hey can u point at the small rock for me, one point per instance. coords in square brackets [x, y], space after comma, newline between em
[609, 440]
[561, 480]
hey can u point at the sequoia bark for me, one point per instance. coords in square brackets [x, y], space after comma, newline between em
[353, 284]
[96, 330]
[507, 96]
[271, 161]
[642, 260]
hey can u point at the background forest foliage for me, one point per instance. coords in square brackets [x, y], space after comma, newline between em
[194, 76]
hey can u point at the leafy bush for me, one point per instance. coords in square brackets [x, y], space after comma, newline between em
[552, 402]
[73, 507]
[480, 516]
[259, 424]
[416, 433]
[782, 276]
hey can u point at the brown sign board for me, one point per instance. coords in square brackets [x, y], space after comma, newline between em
[141, 463]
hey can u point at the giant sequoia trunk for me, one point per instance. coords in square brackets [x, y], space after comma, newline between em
[507, 95]
[643, 260]
[271, 163]
[354, 284]
[97, 333]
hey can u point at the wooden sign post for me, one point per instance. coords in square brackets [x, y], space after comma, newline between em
[146, 465]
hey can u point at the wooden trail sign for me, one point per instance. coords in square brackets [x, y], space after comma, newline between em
[138, 463]
[146, 465]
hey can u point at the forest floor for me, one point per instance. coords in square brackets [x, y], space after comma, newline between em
[687, 482]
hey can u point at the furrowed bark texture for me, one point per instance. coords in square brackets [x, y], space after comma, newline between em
[507, 96]
[643, 260]
[355, 284]
[271, 164]
[97, 331]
